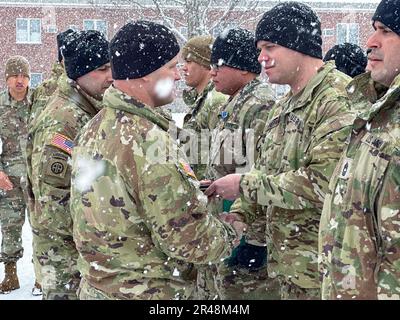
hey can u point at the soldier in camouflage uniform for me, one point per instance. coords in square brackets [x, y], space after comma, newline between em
[14, 113]
[239, 123]
[45, 90]
[140, 219]
[359, 241]
[196, 54]
[50, 144]
[300, 146]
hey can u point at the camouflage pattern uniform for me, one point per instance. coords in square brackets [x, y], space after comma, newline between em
[202, 119]
[360, 223]
[13, 131]
[248, 109]
[44, 91]
[49, 172]
[302, 141]
[139, 221]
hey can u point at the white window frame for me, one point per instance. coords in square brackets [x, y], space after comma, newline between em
[36, 74]
[328, 32]
[95, 21]
[347, 26]
[29, 41]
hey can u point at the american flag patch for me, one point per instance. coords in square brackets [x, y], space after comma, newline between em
[187, 169]
[63, 143]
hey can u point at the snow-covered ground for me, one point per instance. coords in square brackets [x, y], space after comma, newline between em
[25, 267]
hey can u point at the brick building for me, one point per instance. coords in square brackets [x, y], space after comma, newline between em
[29, 28]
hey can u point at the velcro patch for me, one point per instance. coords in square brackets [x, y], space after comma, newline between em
[56, 168]
[185, 167]
[62, 142]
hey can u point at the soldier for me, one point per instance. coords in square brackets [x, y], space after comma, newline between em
[50, 144]
[196, 54]
[47, 88]
[300, 146]
[14, 113]
[360, 225]
[140, 219]
[240, 122]
[349, 58]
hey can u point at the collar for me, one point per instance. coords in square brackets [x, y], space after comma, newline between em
[118, 100]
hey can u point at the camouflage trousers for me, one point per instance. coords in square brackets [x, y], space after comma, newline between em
[220, 282]
[56, 257]
[290, 291]
[12, 218]
[137, 289]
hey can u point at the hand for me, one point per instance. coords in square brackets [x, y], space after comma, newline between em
[204, 184]
[236, 222]
[226, 187]
[5, 183]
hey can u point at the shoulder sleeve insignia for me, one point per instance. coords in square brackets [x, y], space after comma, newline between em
[62, 142]
[185, 167]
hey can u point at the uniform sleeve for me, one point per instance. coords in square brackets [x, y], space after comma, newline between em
[175, 212]
[305, 187]
[388, 204]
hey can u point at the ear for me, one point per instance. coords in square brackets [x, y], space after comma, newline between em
[243, 72]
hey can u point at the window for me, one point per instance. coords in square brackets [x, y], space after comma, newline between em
[328, 32]
[28, 30]
[99, 25]
[51, 29]
[36, 79]
[347, 32]
[184, 31]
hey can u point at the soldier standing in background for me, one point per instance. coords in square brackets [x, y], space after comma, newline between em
[359, 237]
[302, 141]
[50, 144]
[140, 220]
[14, 114]
[44, 91]
[240, 122]
[196, 68]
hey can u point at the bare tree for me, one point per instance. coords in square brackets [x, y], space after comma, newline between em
[188, 18]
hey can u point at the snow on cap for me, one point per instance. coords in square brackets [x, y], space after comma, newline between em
[292, 25]
[17, 65]
[87, 51]
[388, 12]
[141, 47]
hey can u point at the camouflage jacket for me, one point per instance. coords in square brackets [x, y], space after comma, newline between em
[49, 147]
[201, 119]
[239, 124]
[360, 223]
[204, 111]
[139, 217]
[298, 151]
[44, 91]
[13, 133]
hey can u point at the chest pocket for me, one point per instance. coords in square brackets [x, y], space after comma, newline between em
[364, 175]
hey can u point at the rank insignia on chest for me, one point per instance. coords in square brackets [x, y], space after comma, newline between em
[185, 167]
[62, 142]
[345, 169]
[224, 115]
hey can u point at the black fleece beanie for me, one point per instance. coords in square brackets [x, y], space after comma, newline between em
[86, 52]
[388, 12]
[349, 58]
[292, 25]
[141, 47]
[235, 48]
[61, 40]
